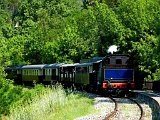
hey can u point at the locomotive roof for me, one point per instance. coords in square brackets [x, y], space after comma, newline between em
[40, 66]
[96, 59]
[88, 63]
[114, 55]
[56, 65]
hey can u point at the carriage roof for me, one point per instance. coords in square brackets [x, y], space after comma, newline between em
[83, 64]
[69, 65]
[14, 67]
[56, 65]
[40, 66]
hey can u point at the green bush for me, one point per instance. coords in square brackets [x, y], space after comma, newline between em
[14, 95]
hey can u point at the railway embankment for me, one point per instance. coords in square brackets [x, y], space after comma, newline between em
[153, 100]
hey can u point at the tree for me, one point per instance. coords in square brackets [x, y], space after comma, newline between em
[140, 19]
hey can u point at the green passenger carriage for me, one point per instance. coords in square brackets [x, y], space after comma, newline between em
[51, 73]
[32, 73]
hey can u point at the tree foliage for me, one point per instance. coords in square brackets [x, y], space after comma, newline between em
[140, 19]
[49, 31]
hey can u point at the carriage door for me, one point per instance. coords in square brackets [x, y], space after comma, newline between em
[53, 74]
[43, 74]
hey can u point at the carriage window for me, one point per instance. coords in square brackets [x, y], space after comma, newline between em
[118, 61]
[81, 69]
[90, 69]
[45, 72]
[33, 72]
[18, 71]
[78, 70]
[29, 72]
[85, 69]
[53, 72]
[39, 72]
[56, 71]
[49, 72]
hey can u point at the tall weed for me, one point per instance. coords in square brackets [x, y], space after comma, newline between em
[40, 106]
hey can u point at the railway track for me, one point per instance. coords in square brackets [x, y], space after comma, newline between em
[114, 112]
[140, 107]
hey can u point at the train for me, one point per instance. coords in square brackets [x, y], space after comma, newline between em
[112, 74]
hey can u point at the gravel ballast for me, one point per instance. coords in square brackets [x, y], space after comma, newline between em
[127, 110]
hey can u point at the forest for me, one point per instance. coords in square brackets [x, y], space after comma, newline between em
[51, 31]
[56, 31]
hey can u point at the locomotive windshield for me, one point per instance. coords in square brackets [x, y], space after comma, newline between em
[118, 61]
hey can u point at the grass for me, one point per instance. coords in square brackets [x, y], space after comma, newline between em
[76, 105]
[53, 104]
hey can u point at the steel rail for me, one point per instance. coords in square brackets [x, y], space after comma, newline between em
[113, 113]
[140, 107]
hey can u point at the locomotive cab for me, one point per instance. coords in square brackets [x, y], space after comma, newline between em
[118, 74]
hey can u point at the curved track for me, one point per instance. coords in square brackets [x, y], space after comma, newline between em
[113, 113]
[140, 107]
